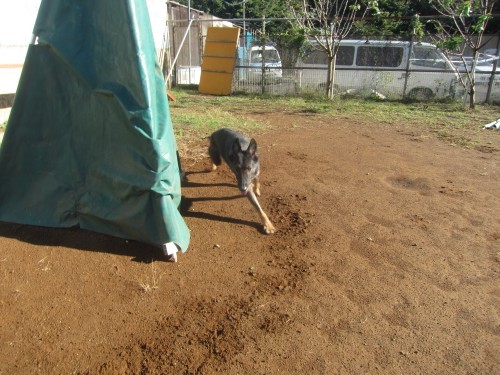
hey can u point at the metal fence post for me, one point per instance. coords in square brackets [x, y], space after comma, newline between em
[263, 46]
[493, 73]
[407, 72]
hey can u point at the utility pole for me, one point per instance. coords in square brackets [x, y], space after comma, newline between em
[244, 26]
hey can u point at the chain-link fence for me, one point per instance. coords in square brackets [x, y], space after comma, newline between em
[392, 67]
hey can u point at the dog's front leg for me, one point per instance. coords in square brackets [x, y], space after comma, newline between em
[257, 186]
[268, 226]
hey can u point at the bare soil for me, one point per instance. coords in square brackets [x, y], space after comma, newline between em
[386, 261]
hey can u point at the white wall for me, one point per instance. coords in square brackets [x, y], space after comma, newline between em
[17, 19]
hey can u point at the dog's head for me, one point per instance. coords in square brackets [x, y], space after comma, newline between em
[245, 163]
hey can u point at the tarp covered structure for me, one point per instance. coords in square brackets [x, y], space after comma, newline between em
[89, 141]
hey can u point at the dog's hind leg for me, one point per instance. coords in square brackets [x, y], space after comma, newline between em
[214, 155]
[268, 226]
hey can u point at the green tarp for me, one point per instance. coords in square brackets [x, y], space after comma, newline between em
[89, 141]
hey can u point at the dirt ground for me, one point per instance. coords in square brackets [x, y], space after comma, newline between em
[386, 261]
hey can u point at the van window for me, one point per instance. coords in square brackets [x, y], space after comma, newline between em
[345, 56]
[270, 56]
[383, 56]
[316, 57]
[427, 57]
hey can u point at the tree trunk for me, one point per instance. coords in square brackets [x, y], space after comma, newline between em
[330, 86]
[472, 88]
[472, 95]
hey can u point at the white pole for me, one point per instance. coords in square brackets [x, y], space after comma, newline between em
[189, 40]
[179, 51]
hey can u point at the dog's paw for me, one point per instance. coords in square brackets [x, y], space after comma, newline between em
[256, 188]
[269, 228]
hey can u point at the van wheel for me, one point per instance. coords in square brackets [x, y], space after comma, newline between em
[420, 93]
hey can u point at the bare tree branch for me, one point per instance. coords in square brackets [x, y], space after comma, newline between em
[328, 22]
[467, 20]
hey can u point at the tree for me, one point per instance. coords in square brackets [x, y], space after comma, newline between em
[286, 36]
[328, 22]
[394, 18]
[463, 27]
[215, 7]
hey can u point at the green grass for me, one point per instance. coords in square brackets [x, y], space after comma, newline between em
[225, 109]
[195, 116]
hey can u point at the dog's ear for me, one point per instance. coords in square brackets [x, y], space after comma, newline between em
[236, 146]
[235, 150]
[252, 147]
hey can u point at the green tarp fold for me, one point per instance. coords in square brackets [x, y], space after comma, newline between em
[89, 141]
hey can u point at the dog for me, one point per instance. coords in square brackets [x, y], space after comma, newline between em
[240, 154]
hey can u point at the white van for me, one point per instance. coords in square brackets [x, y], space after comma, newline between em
[380, 66]
[258, 60]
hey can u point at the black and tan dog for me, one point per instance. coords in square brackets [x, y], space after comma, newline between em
[240, 154]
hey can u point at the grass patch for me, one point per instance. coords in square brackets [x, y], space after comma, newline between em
[204, 123]
[195, 116]
[382, 111]
[153, 282]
